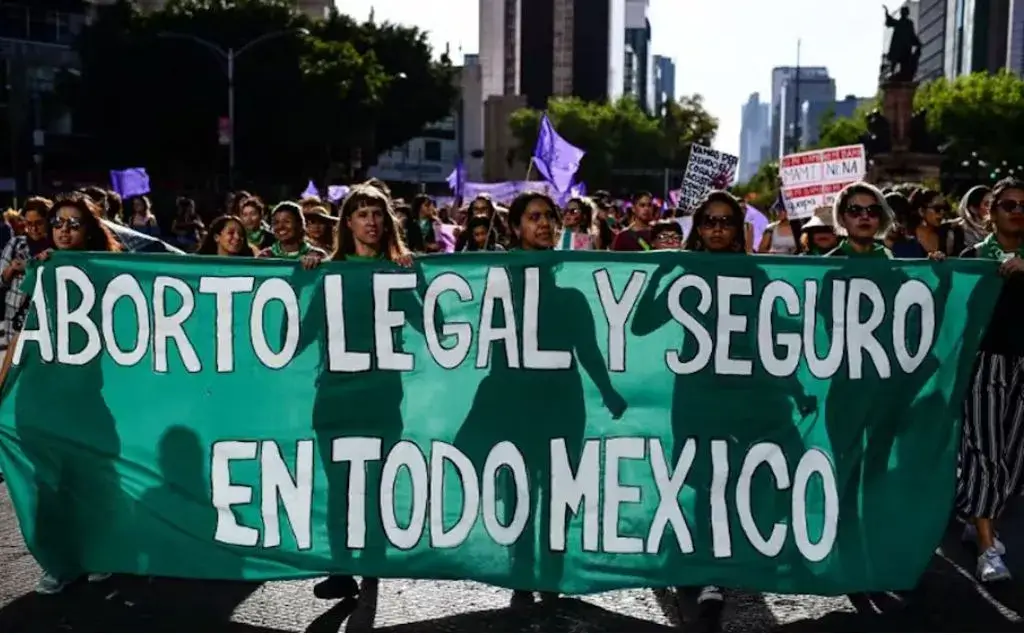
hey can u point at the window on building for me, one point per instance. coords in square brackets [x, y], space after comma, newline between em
[431, 150]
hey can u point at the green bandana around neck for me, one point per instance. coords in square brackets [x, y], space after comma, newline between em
[255, 237]
[878, 250]
[278, 252]
[992, 250]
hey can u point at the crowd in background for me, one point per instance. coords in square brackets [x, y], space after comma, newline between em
[905, 221]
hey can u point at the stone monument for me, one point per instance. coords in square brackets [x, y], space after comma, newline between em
[903, 149]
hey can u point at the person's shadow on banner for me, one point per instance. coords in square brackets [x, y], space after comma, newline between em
[742, 409]
[530, 408]
[70, 439]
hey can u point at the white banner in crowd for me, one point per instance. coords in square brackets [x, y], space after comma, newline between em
[812, 179]
[702, 170]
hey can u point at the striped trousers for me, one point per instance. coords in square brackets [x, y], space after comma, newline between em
[991, 457]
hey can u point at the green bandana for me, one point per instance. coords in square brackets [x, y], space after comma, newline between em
[276, 250]
[992, 250]
[878, 250]
[255, 237]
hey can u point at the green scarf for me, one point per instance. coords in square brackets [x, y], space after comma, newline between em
[878, 250]
[992, 250]
[277, 252]
[255, 237]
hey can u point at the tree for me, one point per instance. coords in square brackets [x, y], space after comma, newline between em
[302, 102]
[620, 136]
[762, 188]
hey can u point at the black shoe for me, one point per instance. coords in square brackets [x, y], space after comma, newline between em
[336, 587]
[710, 605]
[522, 599]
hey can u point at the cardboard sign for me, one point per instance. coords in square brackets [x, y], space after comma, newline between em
[813, 179]
[705, 167]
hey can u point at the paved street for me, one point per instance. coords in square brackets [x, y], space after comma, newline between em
[946, 600]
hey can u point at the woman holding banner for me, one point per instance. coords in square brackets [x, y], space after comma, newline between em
[991, 467]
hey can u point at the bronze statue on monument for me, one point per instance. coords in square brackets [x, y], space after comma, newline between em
[897, 135]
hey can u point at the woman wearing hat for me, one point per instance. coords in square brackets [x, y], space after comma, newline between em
[818, 235]
[320, 226]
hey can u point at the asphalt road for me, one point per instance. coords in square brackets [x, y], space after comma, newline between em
[947, 599]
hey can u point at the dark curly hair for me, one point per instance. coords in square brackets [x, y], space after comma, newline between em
[209, 244]
[694, 242]
[97, 236]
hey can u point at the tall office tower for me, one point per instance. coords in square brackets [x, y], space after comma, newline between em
[931, 30]
[755, 134]
[500, 53]
[1015, 38]
[638, 37]
[977, 36]
[788, 92]
[664, 82]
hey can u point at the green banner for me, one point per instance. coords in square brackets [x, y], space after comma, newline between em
[558, 421]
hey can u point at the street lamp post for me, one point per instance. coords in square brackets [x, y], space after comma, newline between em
[229, 56]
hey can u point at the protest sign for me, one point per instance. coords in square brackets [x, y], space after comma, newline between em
[706, 170]
[570, 421]
[506, 191]
[813, 179]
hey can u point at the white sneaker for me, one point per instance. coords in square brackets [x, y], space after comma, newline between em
[50, 585]
[991, 567]
[971, 535]
[99, 577]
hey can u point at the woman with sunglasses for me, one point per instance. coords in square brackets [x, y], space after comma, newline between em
[861, 217]
[577, 233]
[991, 468]
[74, 226]
[926, 231]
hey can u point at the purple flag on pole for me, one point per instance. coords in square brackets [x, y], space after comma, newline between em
[555, 158]
[311, 190]
[445, 236]
[457, 179]
[130, 182]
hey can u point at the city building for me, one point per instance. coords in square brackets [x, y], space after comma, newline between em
[931, 30]
[813, 112]
[36, 126]
[1015, 38]
[638, 38]
[631, 83]
[977, 36]
[501, 162]
[664, 81]
[427, 159]
[470, 118]
[755, 137]
[571, 48]
[791, 87]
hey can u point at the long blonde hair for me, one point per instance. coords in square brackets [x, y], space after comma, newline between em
[392, 244]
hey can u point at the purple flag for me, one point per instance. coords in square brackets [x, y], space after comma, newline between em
[337, 192]
[555, 158]
[310, 191]
[457, 179]
[445, 236]
[130, 182]
[758, 221]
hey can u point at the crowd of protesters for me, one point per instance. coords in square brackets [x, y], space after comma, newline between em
[905, 221]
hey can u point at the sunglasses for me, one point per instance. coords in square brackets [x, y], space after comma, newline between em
[1010, 206]
[668, 237]
[711, 222]
[872, 211]
[72, 224]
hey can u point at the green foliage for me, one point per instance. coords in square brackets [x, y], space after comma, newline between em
[836, 131]
[303, 102]
[621, 136]
[981, 113]
[761, 190]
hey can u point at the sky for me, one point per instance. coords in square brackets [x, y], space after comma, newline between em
[723, 49]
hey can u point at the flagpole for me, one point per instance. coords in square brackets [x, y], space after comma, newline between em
[529, 169]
